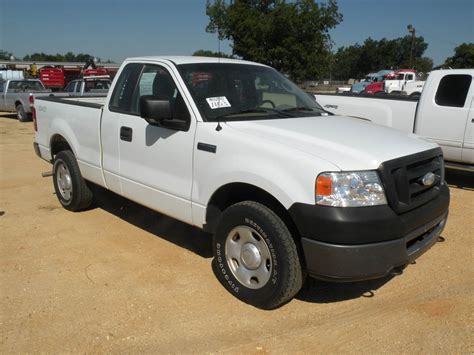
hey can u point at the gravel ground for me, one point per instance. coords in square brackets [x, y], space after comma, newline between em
[121, 278]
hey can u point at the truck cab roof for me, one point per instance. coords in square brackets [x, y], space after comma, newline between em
[177, 60]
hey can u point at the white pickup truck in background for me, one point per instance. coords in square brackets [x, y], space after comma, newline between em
[397, 84]
[237, 149]
[443, 114]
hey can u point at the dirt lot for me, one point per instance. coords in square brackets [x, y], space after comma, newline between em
[121, 278]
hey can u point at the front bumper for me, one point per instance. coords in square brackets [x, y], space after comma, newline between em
[351, 244]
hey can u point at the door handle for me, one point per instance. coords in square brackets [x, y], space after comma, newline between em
[126, 134]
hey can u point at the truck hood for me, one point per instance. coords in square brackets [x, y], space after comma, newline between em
[358, 87]
[348, 143]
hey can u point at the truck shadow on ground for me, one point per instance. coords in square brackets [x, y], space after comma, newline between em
[318, 291]
[200, 243]
[460, 179]
[11, 116]
[164, 227]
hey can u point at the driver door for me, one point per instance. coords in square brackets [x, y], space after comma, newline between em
[155, 162]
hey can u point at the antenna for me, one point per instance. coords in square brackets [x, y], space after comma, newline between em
[218, 46]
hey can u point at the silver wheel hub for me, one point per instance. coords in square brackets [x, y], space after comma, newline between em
[248, 257]
[63, 178]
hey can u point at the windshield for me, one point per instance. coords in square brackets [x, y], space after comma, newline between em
[242, 92]
[26, 85]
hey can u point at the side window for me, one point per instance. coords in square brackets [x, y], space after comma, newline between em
[122, 96]
[1, 86]
[157, 83]
[14, 85]
[452, 90]
[70, 87]
[79, 86]
[409, 76]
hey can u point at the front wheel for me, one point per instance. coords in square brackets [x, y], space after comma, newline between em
[71, 189]
[255, 256]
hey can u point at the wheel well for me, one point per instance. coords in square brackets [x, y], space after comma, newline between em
[18, 103]
[58, 143]
[233, 193]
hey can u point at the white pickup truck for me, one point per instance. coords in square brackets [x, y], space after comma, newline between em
[443, 114]
[397, 84]
[237, 149]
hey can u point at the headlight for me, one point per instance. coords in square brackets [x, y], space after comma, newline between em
[350, 189]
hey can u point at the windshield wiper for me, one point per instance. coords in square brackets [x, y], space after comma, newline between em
[254, 110]
[320, 112]
[300, 108]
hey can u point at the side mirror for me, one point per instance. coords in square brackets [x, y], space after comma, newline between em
[158, 113]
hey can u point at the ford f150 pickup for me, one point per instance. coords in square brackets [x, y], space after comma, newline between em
[89, 86]
[18, 95]
[443, 114]
[15, 96]
[237, 149]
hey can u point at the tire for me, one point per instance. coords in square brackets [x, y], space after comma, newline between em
[21, 114]
[255, 257]
[71, 189]
[415, 95]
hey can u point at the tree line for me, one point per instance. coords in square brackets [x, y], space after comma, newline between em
[293, 37]
[43, 57]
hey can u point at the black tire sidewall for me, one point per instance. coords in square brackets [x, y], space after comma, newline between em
[241, 216]
[20, 113]
[67, 158]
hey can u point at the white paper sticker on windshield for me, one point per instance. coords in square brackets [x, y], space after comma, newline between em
[218, 102]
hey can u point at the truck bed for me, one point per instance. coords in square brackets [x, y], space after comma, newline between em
[79, 122]
[88, 101]
[393, 111]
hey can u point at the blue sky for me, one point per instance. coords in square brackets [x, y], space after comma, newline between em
[119, 29]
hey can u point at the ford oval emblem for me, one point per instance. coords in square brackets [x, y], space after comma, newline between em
[428, 179]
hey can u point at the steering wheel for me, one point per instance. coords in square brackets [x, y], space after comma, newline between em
[267, 102]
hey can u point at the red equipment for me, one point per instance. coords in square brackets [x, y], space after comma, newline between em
[57, 78]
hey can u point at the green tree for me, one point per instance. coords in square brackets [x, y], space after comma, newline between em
[292, 37]
[208, 53]
[68, 57]
[357, 60]
[4, 55]
[463, 57]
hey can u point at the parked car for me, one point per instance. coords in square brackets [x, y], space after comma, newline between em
[371, 78]
[89, 85]
[391, 82]
[15, 96]
[18, 94]
[400, 80]
[444, 113]
[360, 86]
[240, 151]
[414, 88]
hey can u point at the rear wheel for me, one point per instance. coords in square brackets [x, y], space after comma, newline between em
[71, 189]
[21, 114]
[255, 256]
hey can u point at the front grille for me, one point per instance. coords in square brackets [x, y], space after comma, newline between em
[402, 179]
